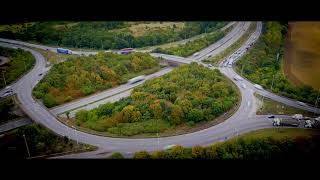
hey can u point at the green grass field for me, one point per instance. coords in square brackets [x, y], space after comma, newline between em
[279, 133]
[272, 107]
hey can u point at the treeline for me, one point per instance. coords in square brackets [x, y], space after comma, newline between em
[40, 142]
[82, 76]
[187, 95]
[191, 47]
[245, 149]
[97, 35]
[262, 66]
[20, 61]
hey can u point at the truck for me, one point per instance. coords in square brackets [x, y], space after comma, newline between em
[297, 116]
[258, 86]
[137, 79]
[64, 51]
[285, 122]
[312, 123]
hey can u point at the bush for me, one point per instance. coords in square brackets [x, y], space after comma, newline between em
[49, 100]
[142, 155]
[116, 155]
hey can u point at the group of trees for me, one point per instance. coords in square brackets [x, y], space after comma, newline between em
[98, 35]
[20, 61]
[262, 65]
[189, 94]
[6, 107]
[191, 47]
[247, 149]
[81, 76]
[40, 141]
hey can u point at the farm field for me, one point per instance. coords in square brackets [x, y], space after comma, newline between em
[302, 57]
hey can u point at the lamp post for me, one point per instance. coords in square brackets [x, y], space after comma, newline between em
[25, 141]
[25, 68]
[316, 103]
[272, 82]
[4, 79]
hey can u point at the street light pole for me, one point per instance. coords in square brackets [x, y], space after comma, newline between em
[24, 137]
[25, 68]
[242, 69]
[4, 79]
[272, 82]
[316, 103]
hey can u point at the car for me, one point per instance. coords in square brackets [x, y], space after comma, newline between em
[6, 94]
[271, 116]
[209, 65]
[8, 87]
[308, 124]
[301, 103]
[169, 146]
[195, 54]
[40, 74]
[9, 91]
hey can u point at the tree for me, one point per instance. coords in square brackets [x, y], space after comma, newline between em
[49, 100]
[141, 155]
[116, 155]
[68, 113]
[198, 152]
[195, 115]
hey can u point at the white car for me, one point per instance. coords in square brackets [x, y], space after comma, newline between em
[209, 65]
[169, 146]
[7, 94]
[301, 103]
[308, 124]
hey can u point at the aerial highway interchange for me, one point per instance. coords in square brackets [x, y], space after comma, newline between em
[243, 120]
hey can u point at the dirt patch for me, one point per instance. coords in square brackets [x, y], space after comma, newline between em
[302, 53]
[4, 60]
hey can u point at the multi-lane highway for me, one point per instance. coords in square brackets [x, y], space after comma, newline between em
[242, 121]
[110, 95]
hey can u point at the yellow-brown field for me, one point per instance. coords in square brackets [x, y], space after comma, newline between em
[302, 59]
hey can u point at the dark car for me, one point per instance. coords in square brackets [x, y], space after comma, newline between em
[40, 74]
[271, 116]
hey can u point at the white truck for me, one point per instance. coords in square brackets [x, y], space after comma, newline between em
[297, 116]
[285, 122]
[312, 123]
[258, 86]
